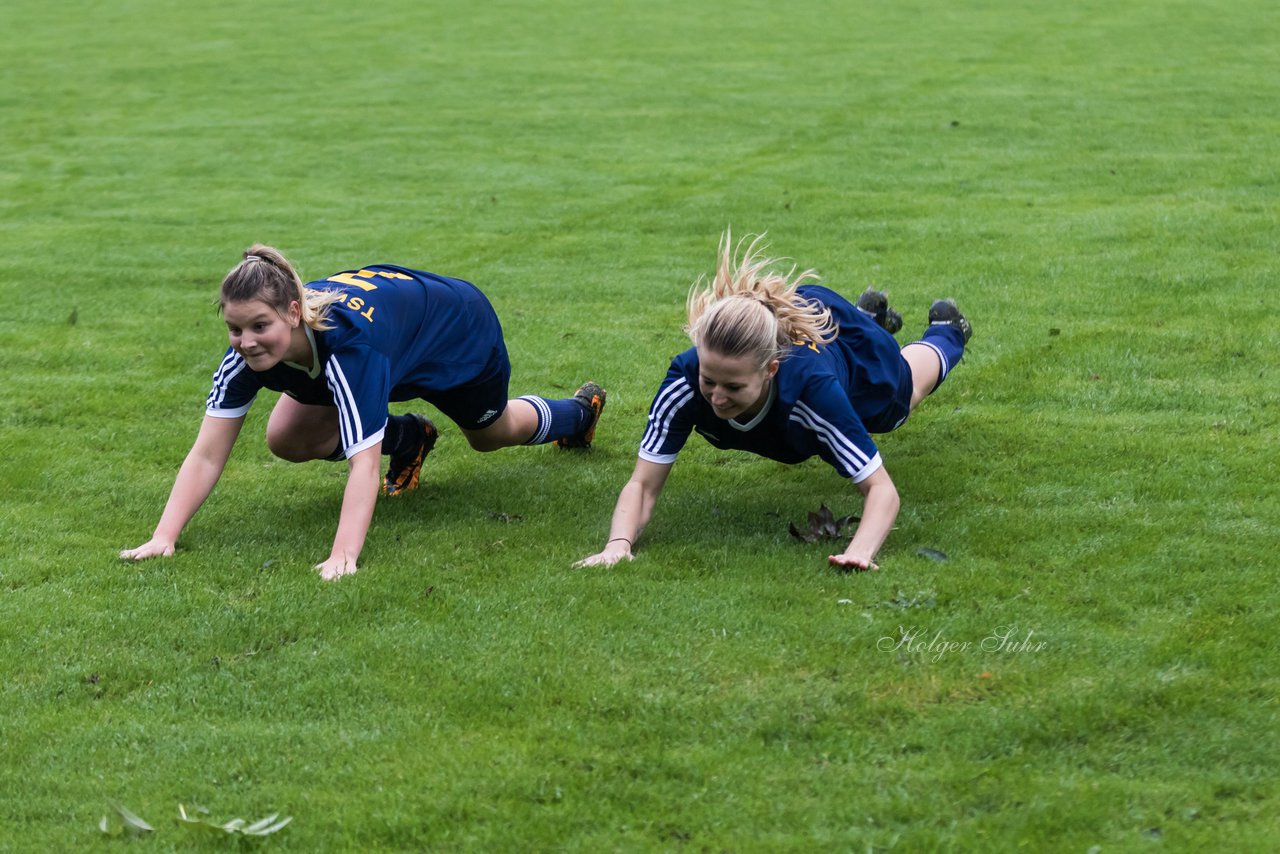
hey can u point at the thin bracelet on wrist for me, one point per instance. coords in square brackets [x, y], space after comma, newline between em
[622, 539]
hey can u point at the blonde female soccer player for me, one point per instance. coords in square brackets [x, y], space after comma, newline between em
[788, 370]
[340, 349]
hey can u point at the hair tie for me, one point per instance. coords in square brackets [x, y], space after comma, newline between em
[254, 258]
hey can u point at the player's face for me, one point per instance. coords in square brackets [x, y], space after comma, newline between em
[260, 333]
[735, 386]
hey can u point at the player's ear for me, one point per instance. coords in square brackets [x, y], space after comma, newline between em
[295, 313]
[771, 369]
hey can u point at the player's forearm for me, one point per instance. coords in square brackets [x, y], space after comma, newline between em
[196, 479]
[879, 510]
[632, 513]
[358, 500]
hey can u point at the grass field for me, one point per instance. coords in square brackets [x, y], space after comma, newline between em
[1094, 668]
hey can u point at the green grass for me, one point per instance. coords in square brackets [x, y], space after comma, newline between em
[1094, 182]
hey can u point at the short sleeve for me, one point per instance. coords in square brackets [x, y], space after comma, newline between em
[670, 419]
[842, 439]
[360, 381]
[234, 387]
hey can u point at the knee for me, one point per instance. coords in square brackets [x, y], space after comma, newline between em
[494, 437]
[283, 446]
[484, 443]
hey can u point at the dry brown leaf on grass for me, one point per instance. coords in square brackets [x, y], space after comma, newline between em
[823, 525]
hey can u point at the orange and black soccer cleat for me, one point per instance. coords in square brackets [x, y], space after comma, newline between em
[404, 468]
[592, 397]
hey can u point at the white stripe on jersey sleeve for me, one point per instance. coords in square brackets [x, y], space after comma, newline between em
[869, 469]
[855, 461]
[670, 401]
[348, 415]
[232, 364]
[228, 413]
[367, 443]
[664, 459]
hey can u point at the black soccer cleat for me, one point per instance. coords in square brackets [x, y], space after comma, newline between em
[876, 304]
[591, 396]
[945, 312]
[404, 469]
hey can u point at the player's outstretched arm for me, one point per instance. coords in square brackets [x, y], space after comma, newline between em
[879, 509]
[197, 477]
[632, 513]
[357, 512]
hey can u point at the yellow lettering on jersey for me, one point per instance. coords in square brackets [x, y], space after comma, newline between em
[355, 303]
[350, 279]
[368, 315]
[805, 342]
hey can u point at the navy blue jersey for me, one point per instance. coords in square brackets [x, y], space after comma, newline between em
[825, 400]
[398, 334]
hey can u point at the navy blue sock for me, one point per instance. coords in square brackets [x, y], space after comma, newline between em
[556, 418]
[400, 430]
[948, 343]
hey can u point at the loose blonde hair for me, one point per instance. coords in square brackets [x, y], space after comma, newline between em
[265, 274]
[747, 309]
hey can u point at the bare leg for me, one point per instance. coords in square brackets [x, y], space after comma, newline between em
[298, 432]
[515, 426]
[926, 368]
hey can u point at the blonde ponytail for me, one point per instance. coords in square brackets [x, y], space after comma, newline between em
[748, 310]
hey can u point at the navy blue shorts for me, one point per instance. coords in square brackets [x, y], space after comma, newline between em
[897, 409]
[478, 404]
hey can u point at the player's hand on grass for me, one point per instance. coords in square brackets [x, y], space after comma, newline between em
[336, 567]
[152, 548]
[852, 564]
[608, 557]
